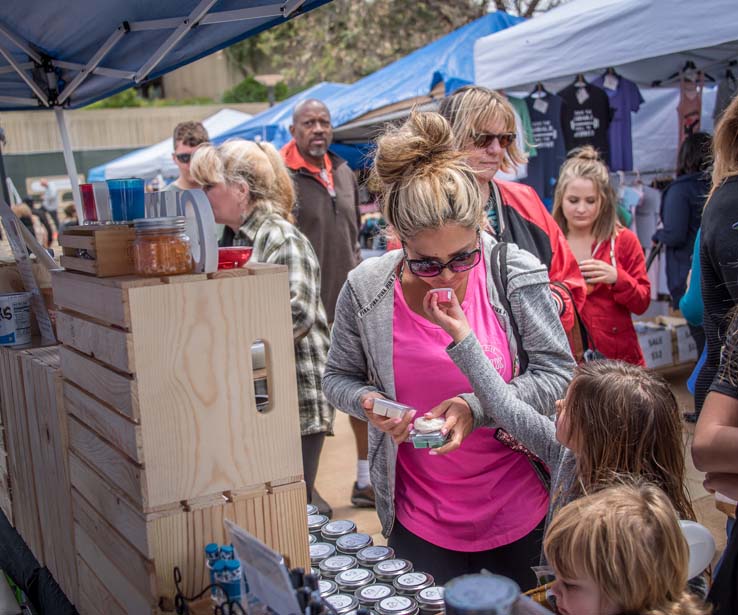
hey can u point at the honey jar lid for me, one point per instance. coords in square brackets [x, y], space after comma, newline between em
[160, 224]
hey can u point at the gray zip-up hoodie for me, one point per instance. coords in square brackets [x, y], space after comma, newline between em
[360, 356]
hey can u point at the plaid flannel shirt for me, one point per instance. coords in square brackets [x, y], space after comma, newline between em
[277, 241]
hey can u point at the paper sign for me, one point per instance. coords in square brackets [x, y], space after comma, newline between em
[13, 230]
[611, 82]
[582, 96]
[540, 105]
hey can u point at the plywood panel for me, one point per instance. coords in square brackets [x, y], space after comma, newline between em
[94, 598]
[201, 431]
[106, 344]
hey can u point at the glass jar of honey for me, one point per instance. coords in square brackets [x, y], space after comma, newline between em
[161, 247]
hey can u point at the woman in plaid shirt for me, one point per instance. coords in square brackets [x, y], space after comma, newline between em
[251, 193]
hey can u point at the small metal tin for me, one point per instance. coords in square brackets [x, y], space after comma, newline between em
[397, 605]
[315, 572]
[351, 580]
[312, 539]
[480, 594]
[326, 587]
[316, 523]
[371, 594]
[335, 564]
[430, 600]
[351, 544]
[388, 570]
[411, 583]
[333, 530]
[343, 603]
[372, 555]
[312, 509]
[320, 551]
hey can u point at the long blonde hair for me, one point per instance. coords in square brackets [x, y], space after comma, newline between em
[627, 540]
[585, 163]
[259, 165]
[471, 109]
[422, 178]
[725, 146]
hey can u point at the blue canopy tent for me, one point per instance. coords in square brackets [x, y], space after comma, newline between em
[59, 55]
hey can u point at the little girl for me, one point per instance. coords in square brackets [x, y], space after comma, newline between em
[617, 419]
[610, 256]
[620, 550]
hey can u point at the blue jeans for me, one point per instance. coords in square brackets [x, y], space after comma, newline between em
[728, 528]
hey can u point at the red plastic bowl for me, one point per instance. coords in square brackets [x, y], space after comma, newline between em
[233, 258]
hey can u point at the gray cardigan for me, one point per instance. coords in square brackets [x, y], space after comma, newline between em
[360, 356]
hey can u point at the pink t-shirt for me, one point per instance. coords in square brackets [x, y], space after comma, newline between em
[483, 495]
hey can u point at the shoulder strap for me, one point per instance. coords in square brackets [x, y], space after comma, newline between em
[499, 277]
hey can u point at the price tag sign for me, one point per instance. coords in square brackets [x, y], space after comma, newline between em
[540, 105]
[611, 82]
[582, 96]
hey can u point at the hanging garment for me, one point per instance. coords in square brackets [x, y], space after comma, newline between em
[545, 118]
[690, 104]
[520, 171]
[522, 110]
[625, 98]
[585, 118]
[726, 90]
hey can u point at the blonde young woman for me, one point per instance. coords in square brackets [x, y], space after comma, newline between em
[620, 551]
[465, 507]
[719, 247]
[609, 255]
[251, 193]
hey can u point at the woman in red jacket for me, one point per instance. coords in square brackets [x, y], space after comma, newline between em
[610, 256]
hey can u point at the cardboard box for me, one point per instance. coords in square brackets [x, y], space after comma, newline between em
[655, 341]
[686, 345]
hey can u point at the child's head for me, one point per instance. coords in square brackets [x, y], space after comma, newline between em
[620, 551]
[584, 199]
[620, 419]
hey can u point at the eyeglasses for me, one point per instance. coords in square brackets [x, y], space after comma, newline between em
[430, 267]
[483, 140]
[183, 158]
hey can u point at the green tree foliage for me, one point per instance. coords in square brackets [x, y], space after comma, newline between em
[348, 39]
[250, 90]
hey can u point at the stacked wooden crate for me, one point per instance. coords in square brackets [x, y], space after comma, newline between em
[36, 435]
[165, 440]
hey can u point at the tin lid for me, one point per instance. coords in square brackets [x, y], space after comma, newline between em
[315, 522]
[160, 224]
[333, 530]
[371, 555]
[430, 596]
[397, 605]
[312, 539]
[353, 578]
[326, 587]
[312, 510]
[389, 569]
[371, 594]
[343, 603]
[353, 543]
[412, 582]
[219, 566]
[480, 594]
[331, 566]
[320, 551]
[315, 572]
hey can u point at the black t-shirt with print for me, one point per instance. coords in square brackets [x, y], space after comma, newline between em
[585, 118]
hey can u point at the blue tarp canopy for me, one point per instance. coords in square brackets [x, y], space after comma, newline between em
[70, 54]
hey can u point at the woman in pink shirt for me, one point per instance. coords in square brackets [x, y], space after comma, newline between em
[479, 504]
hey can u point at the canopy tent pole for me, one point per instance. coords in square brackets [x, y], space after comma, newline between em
[69, 161]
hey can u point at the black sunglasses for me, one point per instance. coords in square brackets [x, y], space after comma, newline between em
[183, 158]
[430, 267]
[485, 139]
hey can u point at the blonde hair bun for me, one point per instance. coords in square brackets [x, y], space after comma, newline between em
[586, 152]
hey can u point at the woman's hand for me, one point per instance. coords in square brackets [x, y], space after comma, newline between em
[447, 315]
[727, 484]
[399, 429]
[459, 423]
[596, 271]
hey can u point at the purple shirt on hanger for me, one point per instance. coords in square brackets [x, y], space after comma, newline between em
[624, 100]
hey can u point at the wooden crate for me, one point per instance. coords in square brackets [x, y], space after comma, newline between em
[100, 250]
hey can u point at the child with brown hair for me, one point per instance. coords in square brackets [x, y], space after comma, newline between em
[620, 550]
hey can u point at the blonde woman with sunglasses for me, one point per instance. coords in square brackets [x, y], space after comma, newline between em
[478, 501]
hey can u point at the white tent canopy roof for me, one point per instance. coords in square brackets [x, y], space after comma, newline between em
[646, 41]
[147, 163]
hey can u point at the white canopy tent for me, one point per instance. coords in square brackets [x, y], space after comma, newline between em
[151, 161]
[646, 41]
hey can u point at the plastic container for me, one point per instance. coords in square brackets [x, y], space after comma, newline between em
[332, 566]
[161, 247]
[370, 595]
[411, 583]
[127, 200]
[227, 552]
[234, 257]
[480, 594]
[216, 572]
[15, 319]
[388, 570]
[397, 605]
[351, 544]
[333, 530]
[89, 208]
[350, 580]
[370, 556]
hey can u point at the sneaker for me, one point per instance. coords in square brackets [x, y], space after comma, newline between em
[362, 498]
[324, 508]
